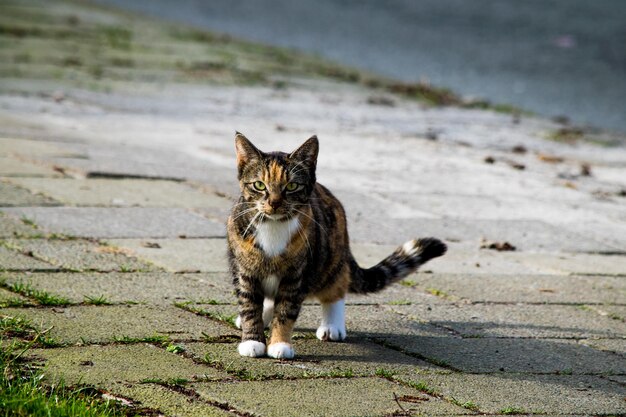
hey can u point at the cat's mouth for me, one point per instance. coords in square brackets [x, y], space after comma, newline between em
[275, 217]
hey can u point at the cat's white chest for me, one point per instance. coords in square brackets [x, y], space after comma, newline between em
[274, 236]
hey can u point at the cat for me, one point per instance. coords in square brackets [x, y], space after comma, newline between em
[288, 240]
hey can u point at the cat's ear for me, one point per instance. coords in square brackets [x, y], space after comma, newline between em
[307, 152]
[246, 151]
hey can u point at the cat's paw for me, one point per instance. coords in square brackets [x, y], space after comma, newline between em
[330, 332]
[251, 348]
[238, 322]
[281, 351]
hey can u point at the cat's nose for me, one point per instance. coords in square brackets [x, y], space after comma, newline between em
[274, 203]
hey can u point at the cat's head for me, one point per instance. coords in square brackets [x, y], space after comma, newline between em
[276, 184]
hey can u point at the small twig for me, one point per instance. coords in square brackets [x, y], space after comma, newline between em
[395, 397]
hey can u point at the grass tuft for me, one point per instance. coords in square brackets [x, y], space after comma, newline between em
[43, 298]
[422, 386]
[468, 405]
[97, 301]
[385, 373]
[512, 411]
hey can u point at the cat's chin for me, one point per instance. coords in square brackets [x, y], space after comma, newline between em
[276, 217]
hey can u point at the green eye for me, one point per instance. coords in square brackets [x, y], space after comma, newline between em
[292, 186]
[258, 185]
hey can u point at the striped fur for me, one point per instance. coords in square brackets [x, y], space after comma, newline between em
[288, 242]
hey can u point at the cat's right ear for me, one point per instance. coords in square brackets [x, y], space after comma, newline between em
[246, 151]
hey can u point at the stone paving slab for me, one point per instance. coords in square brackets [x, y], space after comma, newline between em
[80, 255]
[526, 235]
[525, 288]
[100, 158]
[551, 394]
[14, 196]
[167, 401]
[122, 222]
[614, 312]
[28, 147]
[519, 320]
[13, 260]
[617, 346]
[325, 397]
[398, 293]
[179, 255]
[122, 192]
[11, 227]
[157, 288]
[563, 263]
[98, 365]
[313, 359]
[105, 324]
[517, 355]
[12, 167]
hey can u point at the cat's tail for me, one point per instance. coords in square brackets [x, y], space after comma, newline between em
[404, 260]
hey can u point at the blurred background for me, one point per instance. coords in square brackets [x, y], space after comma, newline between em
[558, 58]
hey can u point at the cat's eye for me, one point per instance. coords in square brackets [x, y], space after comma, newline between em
[292, 186]
[259, 185]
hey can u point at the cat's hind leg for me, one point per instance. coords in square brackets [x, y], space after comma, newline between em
[333, 325]
[333, 299]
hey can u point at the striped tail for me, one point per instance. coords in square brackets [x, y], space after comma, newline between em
[405, 260]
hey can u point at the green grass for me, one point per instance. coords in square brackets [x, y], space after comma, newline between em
[28, 222]
[96, 301]
[385, 373]
[513, 411]
[469, 405]
[214, 315]
[175, 348]
[13, 302]
[21, 392]
[437, 292]
[43, 298]
[423, 387]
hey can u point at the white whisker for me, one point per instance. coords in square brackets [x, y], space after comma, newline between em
[312, 219]
[251, 222]
[243, 213]
[306, 239]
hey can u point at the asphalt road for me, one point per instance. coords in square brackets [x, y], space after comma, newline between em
[553, 57]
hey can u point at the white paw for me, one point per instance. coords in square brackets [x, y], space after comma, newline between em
[328, 332]
[238, 322]
[280, 351]
[251, 348]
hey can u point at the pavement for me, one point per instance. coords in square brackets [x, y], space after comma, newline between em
[112, 242]
[555, 58]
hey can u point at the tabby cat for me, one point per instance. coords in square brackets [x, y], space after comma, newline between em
[288, 240]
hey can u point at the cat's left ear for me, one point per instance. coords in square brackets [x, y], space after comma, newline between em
[307, 152]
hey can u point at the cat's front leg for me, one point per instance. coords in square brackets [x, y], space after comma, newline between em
[250, 299]
[286, 310]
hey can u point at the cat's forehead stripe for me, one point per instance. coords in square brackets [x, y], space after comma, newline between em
[275, 172]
